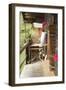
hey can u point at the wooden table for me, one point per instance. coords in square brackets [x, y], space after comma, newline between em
[35, 47]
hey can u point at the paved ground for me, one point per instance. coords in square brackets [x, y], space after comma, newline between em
[38, 69]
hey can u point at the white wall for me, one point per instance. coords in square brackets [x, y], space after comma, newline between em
[4, 45]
